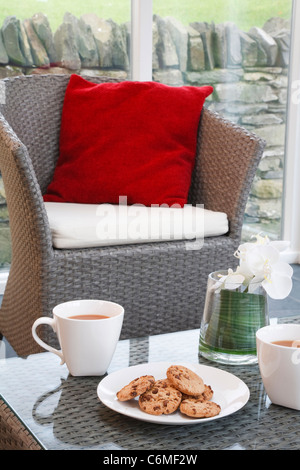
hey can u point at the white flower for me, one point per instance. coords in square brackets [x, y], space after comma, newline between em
[231, 281]
[260, 264]
[266, 267]
[279, 282]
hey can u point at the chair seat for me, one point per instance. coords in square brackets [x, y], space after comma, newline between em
[92, 225]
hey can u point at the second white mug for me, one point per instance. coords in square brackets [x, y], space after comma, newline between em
[280, 365]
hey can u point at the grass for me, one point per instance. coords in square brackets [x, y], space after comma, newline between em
[118, 10]
[245, 13]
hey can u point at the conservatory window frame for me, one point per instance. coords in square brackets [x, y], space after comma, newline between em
[291, 193]
[141, 69]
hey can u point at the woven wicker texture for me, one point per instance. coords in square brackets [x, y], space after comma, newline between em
[161, 285]
[14, 436]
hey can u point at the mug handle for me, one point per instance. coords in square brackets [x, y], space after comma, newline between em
[51, 322]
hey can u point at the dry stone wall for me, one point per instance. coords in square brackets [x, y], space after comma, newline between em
[248, 70]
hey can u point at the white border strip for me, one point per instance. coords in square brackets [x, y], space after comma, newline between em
[291, 195]
[3, 280]
[141, 40]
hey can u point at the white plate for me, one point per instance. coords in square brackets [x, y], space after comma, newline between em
[230, 392]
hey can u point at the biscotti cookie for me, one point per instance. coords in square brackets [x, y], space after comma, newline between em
[160, 399]
[185, 380]
[199, 409]
[136, 387]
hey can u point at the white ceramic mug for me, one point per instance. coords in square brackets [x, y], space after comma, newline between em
[87, 346]
[280, 365]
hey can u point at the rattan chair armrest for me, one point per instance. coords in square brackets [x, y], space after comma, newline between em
[227, 159]
[28, 217]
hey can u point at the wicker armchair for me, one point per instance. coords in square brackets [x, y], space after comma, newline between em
[161, 285]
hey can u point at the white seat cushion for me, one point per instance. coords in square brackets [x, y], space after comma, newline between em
[92, 225]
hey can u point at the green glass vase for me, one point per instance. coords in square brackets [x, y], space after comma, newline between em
[230, 320]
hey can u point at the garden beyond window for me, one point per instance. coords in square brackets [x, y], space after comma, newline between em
[244, 56]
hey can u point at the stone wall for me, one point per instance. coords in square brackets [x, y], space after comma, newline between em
[248, 71]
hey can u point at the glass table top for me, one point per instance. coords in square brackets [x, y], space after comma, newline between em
[64, 412]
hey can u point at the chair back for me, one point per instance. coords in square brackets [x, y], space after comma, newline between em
[32, 105]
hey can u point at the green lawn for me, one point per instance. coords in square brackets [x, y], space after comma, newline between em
[245, 13]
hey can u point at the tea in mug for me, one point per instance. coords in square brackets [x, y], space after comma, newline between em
[88, 317]
[288, 343]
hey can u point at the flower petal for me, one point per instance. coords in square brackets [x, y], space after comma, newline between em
[283, 268]
[234, 281]
[263, 256]
[278, 286]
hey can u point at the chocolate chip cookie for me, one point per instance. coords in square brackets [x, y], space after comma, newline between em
[185, 380]
[136, 387]
[199, 409]
[162, 398]
[205, 396]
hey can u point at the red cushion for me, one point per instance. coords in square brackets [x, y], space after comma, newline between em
[133, 139]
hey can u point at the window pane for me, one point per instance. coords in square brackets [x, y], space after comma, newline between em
[241, 48]
[51, 36]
